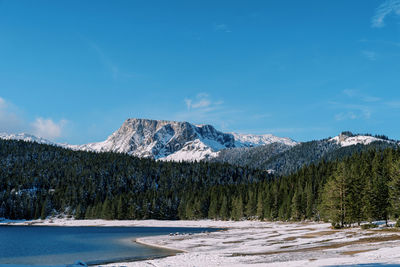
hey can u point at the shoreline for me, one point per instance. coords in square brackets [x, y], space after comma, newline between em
[144, 243]
[254, 243]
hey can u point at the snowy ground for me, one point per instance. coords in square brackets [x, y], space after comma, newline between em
[260, 243]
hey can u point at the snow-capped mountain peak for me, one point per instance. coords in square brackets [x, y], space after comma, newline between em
[167, 140]
[25, 137]
[344, 140]
[251, 140]
[159, 139]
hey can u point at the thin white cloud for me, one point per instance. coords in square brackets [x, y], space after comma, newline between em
[349, 92]
[47, 128]
[361, 106]
[288, 130]
[202, 102]
[109, 64]
[202, 108]
[10, 121]
[222, 28]
[13, 121]
[346, 116]
[2, 103]
[188, 102]
[370, 55]
[356, 94]
[393, 104]
[385, 9]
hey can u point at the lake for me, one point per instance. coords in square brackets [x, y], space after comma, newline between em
[51, 245]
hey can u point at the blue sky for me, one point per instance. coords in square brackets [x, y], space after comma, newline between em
[73, 71]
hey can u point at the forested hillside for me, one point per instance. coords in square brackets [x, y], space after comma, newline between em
[363, 187]
[40, 180]
[285, 160]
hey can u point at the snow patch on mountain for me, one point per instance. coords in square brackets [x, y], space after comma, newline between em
[166, 140]
[192, 151]
[162, 139]
[344, 140]
[26, 137]
[251, 140]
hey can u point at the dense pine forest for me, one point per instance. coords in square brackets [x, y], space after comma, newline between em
[37, 181]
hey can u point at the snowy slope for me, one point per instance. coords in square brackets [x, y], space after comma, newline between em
[176, 141]
[183, 141]
[344, 140]
[251, 140]
[25, 137]
[161, 139]
[192, 151]
[166, 140]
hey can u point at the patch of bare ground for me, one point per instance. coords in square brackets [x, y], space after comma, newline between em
[287, 246]
[233, 242]
[311, 235]
[368, 234]
[324, 241]
[300, 229]
[274, 235]
[367, 240]
[354, 252]
[318, 234]
[394, 229]
[178, 239]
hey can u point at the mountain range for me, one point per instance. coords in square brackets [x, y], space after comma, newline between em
[183, 141]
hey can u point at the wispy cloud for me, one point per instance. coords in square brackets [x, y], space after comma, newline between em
[203, 108]
[109, 64]
[12, 121]
[350, 115]
[287, 130]
[385, 9]
[370, 55]
[202, 102]
[222, 28]
[393, 104]
[47, 128]
[353, 111]
[352, 93]
[355, 105]
[381, 42]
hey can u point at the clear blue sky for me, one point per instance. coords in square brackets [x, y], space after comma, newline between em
[73, 71]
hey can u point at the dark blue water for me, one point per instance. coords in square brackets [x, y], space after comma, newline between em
[49, 245]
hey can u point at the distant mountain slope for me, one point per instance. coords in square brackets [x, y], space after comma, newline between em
[183, 141]
[175, 141]
[252, 140]
[166, 140]
[254, 157]
[158, 139]
[25, 137]
[284, 160]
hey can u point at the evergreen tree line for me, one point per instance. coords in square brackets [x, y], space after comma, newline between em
[362, 187]
[41, 180]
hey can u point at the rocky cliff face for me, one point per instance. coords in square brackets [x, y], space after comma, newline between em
[159, 139]
[168, 140]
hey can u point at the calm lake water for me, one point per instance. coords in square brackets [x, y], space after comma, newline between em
[49, 245]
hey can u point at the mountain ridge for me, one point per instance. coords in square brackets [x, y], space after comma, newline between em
[175, 141]
[183, 141]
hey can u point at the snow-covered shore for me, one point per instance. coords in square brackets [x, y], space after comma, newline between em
[258, 243]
